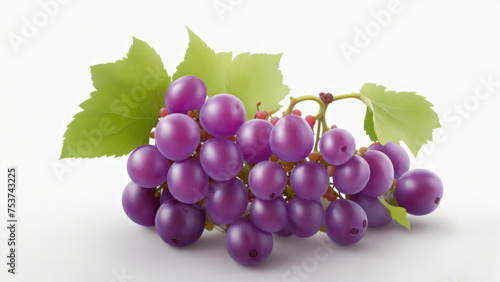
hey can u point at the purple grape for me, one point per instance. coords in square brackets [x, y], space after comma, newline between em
[419, 191]
[222, 115]
[247, 244]
[226, 201]
[221, 159]
[376, 212]
[285, 232]
[269, 216]
[140, 204]
[309, 180]
[267, 180]
[291, 139]
[352, 176]
[177, 136]
[381, 173]
[306, 217]
[147, 167]
[165, 196]
[345, 222]
[180, 224]
[253, 140]
[337, 146]
[186, 93]
[187, 181]
[398, 156]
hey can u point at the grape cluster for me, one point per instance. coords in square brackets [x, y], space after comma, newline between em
[211, 168]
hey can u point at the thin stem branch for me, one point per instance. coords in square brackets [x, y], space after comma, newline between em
[294, 101]
[346, 96]
[318, 135]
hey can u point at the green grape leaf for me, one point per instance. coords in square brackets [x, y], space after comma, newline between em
[396, 213]
[370, 131]
[120, 114]
[203, 62]
[398, 116]
[256, 78]
[253, 78]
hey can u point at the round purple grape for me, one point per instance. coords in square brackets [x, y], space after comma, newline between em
[376, 212]
[147, 167]
[309, 180]
[226, 201]
[140, 204]
[337, 146]
[398, 156]
[267, 180]
[253, 140]
[247, 244]
[291, 139]
[221, 158]
[186, 93]
[419, 191]
[180, 224]
[177, 136]
[222, 115]
[187, 181]
[269, 216]
[381, 173]
[345, 222]
[306, 217]
[352, 176]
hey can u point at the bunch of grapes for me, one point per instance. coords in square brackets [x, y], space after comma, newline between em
[211, 168]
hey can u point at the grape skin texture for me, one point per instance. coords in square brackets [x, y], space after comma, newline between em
[147, 167]
[180, 224]
[345, 222]
[337, 146]
[381, 173]
[419, 191]
[306, 217]
[221, 159]
[267, 180]
[247, 244]
[177, 136]
[226, 201]
[140, 204]
[187, 181]
[352, 176]
[309, 180]
[222, 115]
[186, 93]
[253, 140]
[291, 139]
[269, 216]
[398, 156]
[376, 212]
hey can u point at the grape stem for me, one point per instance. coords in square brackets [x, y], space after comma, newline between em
[345, 96]
[321, 114]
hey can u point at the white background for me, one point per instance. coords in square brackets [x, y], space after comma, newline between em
[71, 223]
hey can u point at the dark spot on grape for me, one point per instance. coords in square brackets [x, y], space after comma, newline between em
[344, 148]
[354, 231]
[364, 223]
[436, 201]
[252, 253]
[271, 196]
[237, 107]
[176, 241]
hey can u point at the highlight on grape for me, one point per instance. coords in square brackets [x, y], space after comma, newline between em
[208, 160]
